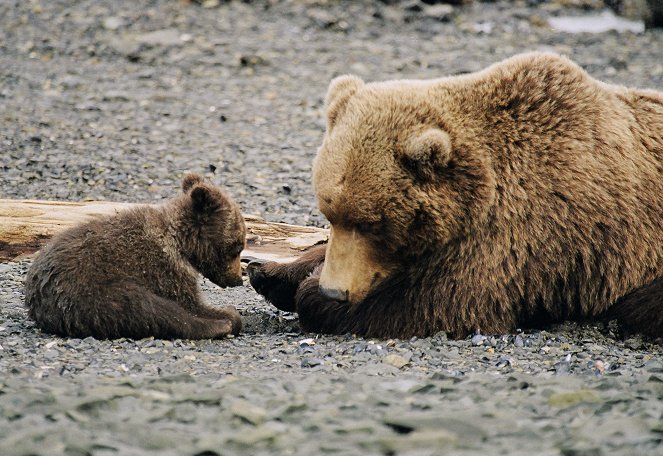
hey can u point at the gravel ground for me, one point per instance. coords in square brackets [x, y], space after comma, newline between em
[115, 100]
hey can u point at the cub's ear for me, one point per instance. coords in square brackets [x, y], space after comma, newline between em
[427, 152]
[339, 92]
[190, 180]
[204, 200]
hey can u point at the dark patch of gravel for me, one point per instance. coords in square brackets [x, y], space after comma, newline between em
[116, 100]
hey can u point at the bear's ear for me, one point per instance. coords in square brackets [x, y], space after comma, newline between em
[204, 202]
[190, 180]
[339, 92]
[425, 153]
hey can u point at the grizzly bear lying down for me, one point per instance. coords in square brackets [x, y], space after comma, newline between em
[522, 195]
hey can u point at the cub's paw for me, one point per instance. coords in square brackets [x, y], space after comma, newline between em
[276, 288]
[225, 326]
[233, 316]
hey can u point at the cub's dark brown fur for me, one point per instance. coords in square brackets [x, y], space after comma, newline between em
[135, 274]
[518, 196]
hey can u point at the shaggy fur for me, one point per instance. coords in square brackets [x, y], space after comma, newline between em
[134, 274]
[522, 195]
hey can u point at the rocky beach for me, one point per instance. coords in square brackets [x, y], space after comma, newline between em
[117, 100]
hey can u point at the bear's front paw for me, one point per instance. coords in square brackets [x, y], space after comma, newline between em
[277, 290]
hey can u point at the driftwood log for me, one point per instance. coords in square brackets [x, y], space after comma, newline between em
[26, 225]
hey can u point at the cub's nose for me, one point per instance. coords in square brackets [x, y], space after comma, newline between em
[254, 269]
[332, 293]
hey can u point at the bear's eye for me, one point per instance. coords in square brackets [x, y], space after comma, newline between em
[236, 250]
[366, 228]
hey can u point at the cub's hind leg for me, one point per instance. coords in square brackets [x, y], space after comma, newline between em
[220, 313]
[127, 310]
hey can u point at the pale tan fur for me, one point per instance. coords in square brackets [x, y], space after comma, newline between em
[350, 265]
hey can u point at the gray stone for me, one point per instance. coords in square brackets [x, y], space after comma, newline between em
[395, 360]
[114, 23]
[164, 37]
[248, 412]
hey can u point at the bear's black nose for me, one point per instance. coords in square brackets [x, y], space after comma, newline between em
[337, 295]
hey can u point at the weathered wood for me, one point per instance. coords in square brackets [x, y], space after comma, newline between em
[26, 225]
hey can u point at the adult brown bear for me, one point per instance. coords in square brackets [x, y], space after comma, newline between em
[521, 195]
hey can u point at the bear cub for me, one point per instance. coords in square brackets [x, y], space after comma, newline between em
[135, 274]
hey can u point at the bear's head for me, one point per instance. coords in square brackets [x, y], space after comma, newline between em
[396, 178]
[212, 231]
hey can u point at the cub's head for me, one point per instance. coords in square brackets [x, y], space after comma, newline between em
[213, 231]
[394, 178]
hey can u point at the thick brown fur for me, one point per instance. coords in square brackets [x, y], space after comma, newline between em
[135, 274]
[522, 195]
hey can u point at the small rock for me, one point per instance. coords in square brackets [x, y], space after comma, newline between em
[116, 96]
[248, 412]
[395, 360]
[322, 18]
[563, 366]
[478, 339]
[210, 3]
[311, 362]
[308, 341]
[51, 354]
[569, 398]
[360, 347]
[114, 23]
[125, 46]
[599, 367]
[261, 434]
[415, 441]
[252, 60]
[165, 37]
[654, 365]
[518, 342]
[439, 12]
[413, 6]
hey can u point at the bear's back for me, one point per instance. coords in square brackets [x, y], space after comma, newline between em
[79, 264]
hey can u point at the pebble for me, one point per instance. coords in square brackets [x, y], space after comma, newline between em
[311, 362]
[654, 365]
[478, 339]
[248, 412]
[395, 360]
[418, 441]
[518, 341]
[165, 37]
[439, 12]
[567, 399]
[114, 23]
